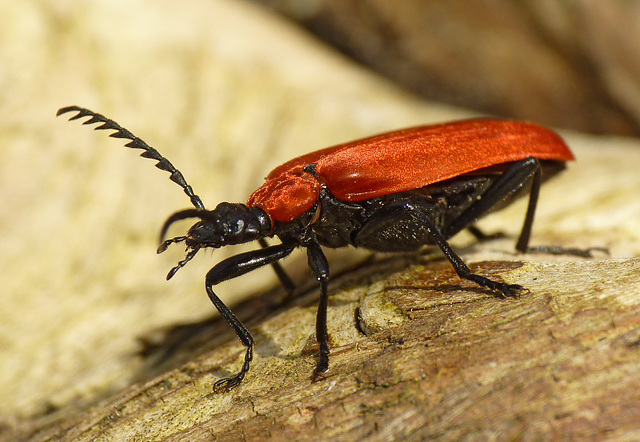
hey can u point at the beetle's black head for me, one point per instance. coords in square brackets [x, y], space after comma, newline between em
[225, 225]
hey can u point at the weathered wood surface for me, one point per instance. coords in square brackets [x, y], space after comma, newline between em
[415, 354]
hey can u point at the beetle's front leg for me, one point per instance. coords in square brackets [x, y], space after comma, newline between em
[285, 280]
[230, 268]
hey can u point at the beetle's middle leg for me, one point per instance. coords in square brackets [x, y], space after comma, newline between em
[398, 212]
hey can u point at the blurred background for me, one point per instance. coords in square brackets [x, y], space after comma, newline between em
[227, 90]
[572, 64]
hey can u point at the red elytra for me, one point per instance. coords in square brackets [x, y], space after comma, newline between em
[402, 160]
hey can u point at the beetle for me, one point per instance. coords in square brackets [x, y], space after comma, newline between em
[393, 192]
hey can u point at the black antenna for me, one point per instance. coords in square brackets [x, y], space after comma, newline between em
[135, 143]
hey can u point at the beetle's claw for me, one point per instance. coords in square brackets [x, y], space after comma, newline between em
[226, 384]
[512, 290]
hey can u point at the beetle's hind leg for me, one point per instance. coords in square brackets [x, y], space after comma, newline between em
[523, 241]
[501, 191]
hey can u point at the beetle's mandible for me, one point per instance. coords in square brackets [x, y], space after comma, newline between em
[393, 192]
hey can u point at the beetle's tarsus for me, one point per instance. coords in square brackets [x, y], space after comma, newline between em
[507, 290]
[323, 360]
[582, 253]
[319, 375]
[226, 384]
[323, 364]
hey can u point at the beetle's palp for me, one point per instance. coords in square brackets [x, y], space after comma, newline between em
[182, 263]
[163, 246]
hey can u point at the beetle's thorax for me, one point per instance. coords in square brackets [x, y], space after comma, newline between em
[329, 222]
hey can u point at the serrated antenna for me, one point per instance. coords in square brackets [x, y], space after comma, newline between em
[135, 143]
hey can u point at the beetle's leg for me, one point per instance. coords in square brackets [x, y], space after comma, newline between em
[523, 242]
[504, 187]
[320, 267]
[230, 268]
[285, 280]
[386, 217]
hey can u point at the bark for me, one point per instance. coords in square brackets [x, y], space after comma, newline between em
[415, 354]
